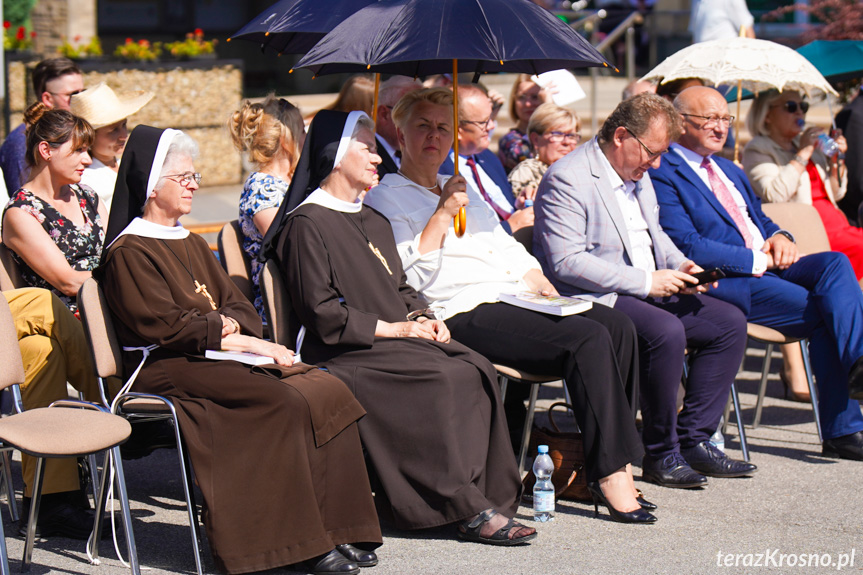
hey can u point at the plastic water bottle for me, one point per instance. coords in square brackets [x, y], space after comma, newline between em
[528, 203]
[717, 439]
[828, 145]
[543, 489]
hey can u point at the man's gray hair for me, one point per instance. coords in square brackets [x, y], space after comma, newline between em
[638, 113]
[393, 89]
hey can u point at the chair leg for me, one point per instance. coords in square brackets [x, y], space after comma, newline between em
[4, 554]
[10, 488]
[738, 415]
[528, 425]
[504, 383]
[100, 496]
[813, 392]
[762, 388]
[34, 514]
[190, 497]
[127, 514]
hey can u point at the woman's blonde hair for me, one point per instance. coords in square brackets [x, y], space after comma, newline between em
[56, 127]
[755, 120]
[513, 94]
[405, 106]
[358, 93]
[549, 115]
[260, 128]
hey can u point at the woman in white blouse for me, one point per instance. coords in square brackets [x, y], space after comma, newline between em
[462, 279]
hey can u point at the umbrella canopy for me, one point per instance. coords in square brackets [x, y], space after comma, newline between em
[757, 64]
[423, 37]
[294, 26]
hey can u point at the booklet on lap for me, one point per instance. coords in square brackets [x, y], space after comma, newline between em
[241, 356]
[550, 304]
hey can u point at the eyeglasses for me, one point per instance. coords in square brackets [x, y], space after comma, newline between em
[186, 179]
[791, 106]
[67, 95]
[556, 137]
[481, 124]
[651, 155]
[712, 121]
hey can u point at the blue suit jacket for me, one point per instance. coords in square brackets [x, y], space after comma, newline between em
[703, 230]
[490, 163]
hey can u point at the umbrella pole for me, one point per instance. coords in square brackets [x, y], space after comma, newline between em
[737, 128]
[375, 108]
[460, 220]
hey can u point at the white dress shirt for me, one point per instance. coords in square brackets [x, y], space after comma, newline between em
[466, 271]
[693, 160]
[639, 237]
[492, 189]
[718, 19]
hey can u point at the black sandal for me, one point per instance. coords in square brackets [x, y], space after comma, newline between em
[470, 531]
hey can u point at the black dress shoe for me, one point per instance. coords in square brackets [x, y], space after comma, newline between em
[855, 380]
[333, 563]
[671, 471]
[640, 515]
[707, 459]
[845, 447]
[361, 557]
[64, 520]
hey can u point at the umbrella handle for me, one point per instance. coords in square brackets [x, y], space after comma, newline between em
[459, 222]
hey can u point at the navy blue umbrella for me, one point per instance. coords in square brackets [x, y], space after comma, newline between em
[424, 37]
[294, 26]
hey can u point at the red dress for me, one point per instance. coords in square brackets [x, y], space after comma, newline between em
[843, 236]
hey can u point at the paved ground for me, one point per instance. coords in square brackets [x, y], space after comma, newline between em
[797, 503]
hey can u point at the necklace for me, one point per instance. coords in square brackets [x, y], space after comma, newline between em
[372, 247]
[199, 287]
[402, 174]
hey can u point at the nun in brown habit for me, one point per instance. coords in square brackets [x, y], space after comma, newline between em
[275, 448]
[435, 430]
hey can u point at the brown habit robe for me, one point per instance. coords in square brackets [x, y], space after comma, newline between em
[279, 461]
[435, 430]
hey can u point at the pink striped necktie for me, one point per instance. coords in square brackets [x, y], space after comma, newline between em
[727, 200]
[502, 214]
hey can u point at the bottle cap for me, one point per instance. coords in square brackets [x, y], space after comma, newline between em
[543, 449]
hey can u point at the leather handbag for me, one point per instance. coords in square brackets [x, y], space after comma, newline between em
[567, 452]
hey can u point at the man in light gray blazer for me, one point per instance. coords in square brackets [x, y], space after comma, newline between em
[597, 234]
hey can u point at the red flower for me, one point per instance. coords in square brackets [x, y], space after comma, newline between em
[21, 33]
[7, 24]
[77, 38]
[199, 32]
[33, 34]
[128, 40]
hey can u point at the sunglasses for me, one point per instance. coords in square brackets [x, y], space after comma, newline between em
[791, 106]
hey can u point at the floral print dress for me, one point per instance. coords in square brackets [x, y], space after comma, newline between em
[261, 191]
[82, 245]
[513, 148]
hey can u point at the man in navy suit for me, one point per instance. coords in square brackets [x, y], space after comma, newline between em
[479, 165]
[710, 211]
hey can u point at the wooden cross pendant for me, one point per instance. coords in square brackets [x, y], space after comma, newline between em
[380, 256]
[202, 288]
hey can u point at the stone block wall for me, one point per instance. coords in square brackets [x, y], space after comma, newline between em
[194, 96]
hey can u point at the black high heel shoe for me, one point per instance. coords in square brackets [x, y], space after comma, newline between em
[645, 504]
[637, 516]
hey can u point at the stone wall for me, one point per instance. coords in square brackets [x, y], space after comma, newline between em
[57, 20]
[196, 96]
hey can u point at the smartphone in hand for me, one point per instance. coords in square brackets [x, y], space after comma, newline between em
[709, 276]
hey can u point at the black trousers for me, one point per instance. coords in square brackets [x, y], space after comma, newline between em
[595, 353]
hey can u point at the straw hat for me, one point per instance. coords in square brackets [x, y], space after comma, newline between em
[100, 106]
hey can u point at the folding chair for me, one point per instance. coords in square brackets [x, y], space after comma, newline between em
[234, 259]
[135, 407]
[54, 432]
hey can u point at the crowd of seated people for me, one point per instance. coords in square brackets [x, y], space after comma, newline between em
[398, 319]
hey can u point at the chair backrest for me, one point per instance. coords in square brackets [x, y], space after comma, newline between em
[803, 222]
[12, 371]
[234, 259]
[524, 236]
[99, 329]
[10, 275]
[277, 304]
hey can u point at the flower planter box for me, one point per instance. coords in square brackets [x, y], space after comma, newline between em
[195, 95]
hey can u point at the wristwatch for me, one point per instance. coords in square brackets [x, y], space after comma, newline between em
[427, 313]
[787, 234]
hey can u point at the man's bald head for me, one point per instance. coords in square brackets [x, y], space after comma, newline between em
[705, 119]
